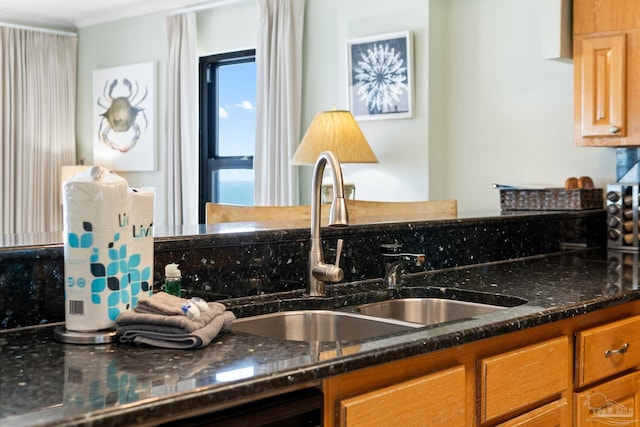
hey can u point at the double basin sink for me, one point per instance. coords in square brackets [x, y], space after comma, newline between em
[365, 321]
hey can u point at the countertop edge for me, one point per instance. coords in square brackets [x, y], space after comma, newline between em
[399, 347]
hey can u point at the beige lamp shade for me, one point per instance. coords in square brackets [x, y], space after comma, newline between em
[336, 131]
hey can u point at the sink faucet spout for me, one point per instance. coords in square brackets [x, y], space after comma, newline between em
[319, 272]
[391, 269]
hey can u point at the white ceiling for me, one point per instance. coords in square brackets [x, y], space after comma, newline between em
[71, 14]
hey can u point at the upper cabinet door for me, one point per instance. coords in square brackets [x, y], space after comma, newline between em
[603, 86]
[606, 47]
[595, 16]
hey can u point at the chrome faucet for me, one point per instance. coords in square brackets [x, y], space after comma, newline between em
[319, 272]
[391, 268]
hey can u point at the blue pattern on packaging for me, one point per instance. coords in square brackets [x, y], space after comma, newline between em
[118, 280]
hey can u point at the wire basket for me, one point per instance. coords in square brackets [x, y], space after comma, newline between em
[551, 199]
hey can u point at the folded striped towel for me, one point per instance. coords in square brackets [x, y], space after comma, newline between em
[160, 321]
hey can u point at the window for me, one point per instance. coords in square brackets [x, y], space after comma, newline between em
[227, 124]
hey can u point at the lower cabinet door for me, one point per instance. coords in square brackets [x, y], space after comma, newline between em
[436, 399]
[616, 402]
[554, 414]
[523, 377]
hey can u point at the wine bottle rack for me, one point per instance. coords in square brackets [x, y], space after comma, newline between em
[622, 216]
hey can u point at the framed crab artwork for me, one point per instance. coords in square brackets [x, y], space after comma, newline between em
[124, 113]
[381, 76]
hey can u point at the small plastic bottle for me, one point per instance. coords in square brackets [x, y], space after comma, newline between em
[172, 280]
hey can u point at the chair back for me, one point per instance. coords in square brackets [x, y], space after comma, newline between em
[360, 212]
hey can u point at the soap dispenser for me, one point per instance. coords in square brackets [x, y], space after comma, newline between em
[172, 280]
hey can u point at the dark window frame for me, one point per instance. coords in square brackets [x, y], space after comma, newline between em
[209, 159]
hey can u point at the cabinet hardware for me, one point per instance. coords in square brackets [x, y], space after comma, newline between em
[621, 350]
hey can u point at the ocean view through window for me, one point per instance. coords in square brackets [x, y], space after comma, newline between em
[227, 122]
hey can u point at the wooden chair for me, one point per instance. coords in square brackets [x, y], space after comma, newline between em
[360, 212]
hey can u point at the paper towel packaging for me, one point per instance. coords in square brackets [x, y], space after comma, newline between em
[141, 204]
[96, 259]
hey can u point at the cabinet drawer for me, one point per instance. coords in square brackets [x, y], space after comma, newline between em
[437, 399]
[614, 403]
[554, 414]
[607, 350]
[522, 377]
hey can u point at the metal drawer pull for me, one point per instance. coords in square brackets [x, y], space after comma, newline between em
[621, 350]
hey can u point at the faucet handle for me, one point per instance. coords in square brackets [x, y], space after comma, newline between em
[338, 252]
[330, 272]
[391, 269]
[327, 273]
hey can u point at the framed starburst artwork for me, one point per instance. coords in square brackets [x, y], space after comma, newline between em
[381, 76]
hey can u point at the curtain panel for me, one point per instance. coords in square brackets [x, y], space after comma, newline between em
[278, 101]
[181, 119]
[37, 126]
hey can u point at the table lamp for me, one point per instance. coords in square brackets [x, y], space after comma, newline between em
[336, 131]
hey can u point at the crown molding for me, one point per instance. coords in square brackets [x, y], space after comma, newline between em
[98, 13]
[20, 18]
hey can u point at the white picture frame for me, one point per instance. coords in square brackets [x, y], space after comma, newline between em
[124, 117]
[371, 98]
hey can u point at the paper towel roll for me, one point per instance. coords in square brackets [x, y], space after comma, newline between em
[141, 202]
[96, 224]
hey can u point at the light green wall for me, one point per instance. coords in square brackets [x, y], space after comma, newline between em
[226, 29]
[438, 81]
[401, 145]
[143, 39]
[509, 112]
[125, 42]
[488, 108]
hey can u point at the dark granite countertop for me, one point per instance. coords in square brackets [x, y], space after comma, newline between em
[44, 382]
[237, 231]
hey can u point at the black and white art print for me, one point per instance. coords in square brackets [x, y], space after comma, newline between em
[123, 127]
[381, 76]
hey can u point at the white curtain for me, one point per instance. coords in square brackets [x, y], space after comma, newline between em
[37, 126]
[278, 100]
[181, 121]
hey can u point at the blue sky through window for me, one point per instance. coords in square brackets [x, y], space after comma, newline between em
[237, 101]
[236, 129]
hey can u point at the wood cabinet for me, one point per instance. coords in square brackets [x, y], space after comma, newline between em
[437, 399]
[522, 377]
[601, 80]
[596, 16]
[616, 402]
[606, 73]
[607, 350]
[554, 414]
[606, 353]
[542, 376]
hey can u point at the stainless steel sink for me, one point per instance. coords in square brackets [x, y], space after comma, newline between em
[427, 311]
[319, 325]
